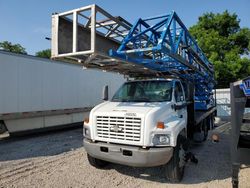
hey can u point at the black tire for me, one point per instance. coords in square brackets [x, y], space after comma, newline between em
[2, 128]
[98, 163]
[174, 169]
[201, 133]
[205, 128]
[212, 122]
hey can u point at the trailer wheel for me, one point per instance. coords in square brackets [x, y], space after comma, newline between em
[98, 163]
[174, 169]
[2, 127]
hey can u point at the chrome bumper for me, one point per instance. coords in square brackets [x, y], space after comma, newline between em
[128, 155]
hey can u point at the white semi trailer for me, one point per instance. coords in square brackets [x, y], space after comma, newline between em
[39, 94]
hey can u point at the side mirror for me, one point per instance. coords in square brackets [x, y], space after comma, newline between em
[105, 93]
[176, 107]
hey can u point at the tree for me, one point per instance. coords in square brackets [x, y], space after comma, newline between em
[16, 48]
[44, 53]
[225, 44]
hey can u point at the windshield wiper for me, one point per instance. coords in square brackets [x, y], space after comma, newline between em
[120, 100]
[142, 100]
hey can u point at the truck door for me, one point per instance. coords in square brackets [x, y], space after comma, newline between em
[180, 103]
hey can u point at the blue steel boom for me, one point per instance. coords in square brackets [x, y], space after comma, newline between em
[163, 44]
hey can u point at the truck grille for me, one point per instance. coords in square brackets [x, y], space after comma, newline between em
[119, 128]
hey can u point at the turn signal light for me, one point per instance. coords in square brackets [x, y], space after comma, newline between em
[160, 125]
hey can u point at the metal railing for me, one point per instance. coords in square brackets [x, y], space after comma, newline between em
[91, 19]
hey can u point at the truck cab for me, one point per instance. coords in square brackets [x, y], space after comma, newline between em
[140, 125]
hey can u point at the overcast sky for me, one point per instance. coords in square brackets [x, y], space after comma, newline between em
[28, 22]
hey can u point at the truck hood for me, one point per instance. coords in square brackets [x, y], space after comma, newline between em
[127, 107]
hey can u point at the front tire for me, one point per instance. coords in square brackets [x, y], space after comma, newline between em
[174, 169]
[98, 163]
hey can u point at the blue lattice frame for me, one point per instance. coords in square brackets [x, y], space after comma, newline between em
[163, 44]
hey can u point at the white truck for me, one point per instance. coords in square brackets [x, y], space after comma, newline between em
[168, 101]
[38, 94]
[146, 123]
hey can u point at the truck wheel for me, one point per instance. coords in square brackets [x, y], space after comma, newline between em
[201, 133]
[205, 129]
[98, 163]
[2, 128]
[212, 122]
[175, 167]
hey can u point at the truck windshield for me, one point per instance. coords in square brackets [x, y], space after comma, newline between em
[144, 91]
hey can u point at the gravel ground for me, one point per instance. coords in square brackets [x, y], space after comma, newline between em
[58, 159]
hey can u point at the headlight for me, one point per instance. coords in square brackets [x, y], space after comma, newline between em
[161, 139]
[86, 132]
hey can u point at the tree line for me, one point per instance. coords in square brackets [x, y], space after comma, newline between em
[17, 48]
[221, 38]
[226, 45]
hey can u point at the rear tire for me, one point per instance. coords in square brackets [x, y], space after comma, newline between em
[202, 132]
[212, 122]
[205, 128]
[98, 163]
[174, 169]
